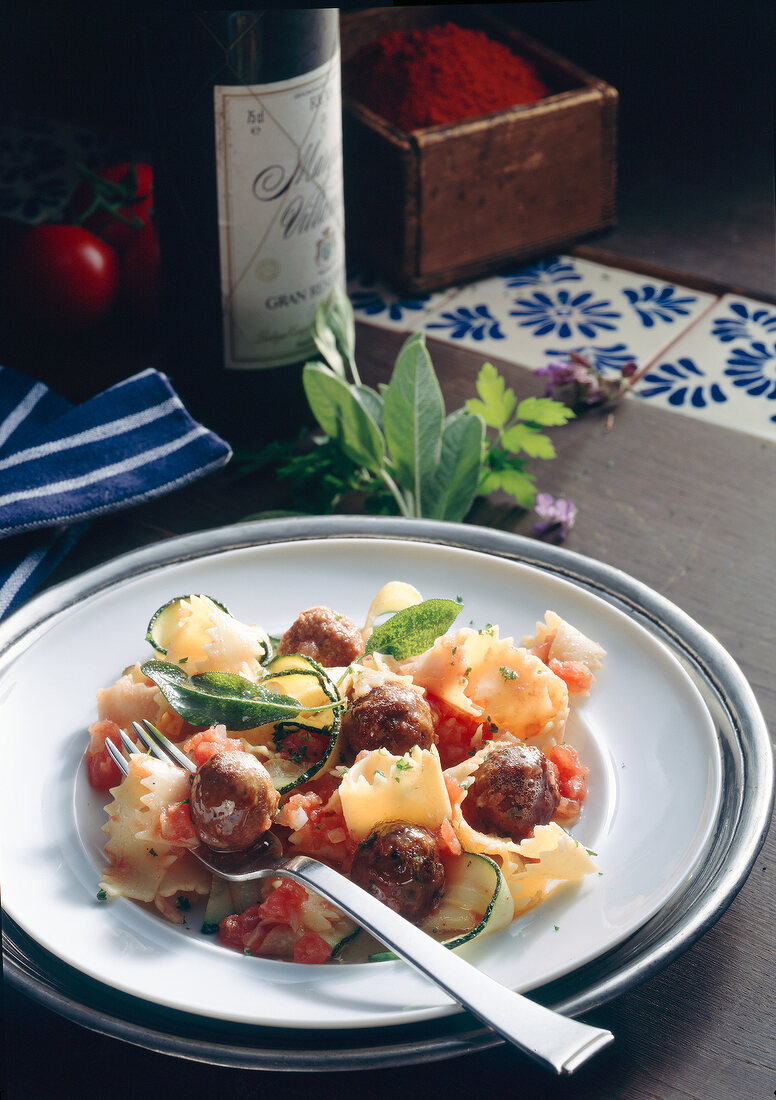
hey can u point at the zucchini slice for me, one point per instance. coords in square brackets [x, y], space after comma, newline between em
[304, 679]
[219, 905]
[475, 903]
[164, 622]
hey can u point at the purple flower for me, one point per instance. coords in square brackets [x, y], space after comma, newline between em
[557, 516]
[579, 384]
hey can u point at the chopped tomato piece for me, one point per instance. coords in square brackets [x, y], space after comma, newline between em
[311, 948]
[284, 903]
[103, 772]
[448, 838]
[208, 742]
[302, 746]
[233, 929]
[175, 823]
[577, 676]
[455, 790]
[455, 731]
[572, 773]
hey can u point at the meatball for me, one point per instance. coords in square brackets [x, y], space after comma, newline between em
[514, 789]
[400, 865]
[391, 716]
[233, 801]
[330, 639]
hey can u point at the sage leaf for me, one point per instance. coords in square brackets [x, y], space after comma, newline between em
[334, 331]
[414, 629]
[343, 417]
[341, 320]
[372, 402]
[212, 698]
[413, 418]
[457, 477]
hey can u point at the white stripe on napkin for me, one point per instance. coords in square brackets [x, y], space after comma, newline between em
[142, 459]
[92, 435]
[20, 575]
[22, 411]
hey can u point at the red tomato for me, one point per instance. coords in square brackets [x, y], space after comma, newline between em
[175, 823]
[114, 203]
[311, 948]
[572, 773]
[103, 772]
[284, 903]
[63, 276]
[140, 272]
[576, 675]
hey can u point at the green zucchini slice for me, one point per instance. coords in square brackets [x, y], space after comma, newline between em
[289, 763]
[219, 905]
[164, 622]
[475, 903]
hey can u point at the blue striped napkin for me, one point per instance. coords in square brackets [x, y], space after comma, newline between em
[62, 465]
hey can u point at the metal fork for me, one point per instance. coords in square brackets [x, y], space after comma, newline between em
[553, 1040]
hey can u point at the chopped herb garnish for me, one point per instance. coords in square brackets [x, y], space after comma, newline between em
[151, 852]
[210, 927]
[183, 903]
[101, 895]
[508, 673]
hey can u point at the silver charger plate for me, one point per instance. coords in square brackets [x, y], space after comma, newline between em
[743, 817]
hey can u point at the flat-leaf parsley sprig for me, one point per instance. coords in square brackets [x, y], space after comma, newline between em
[517, 435]
[397, 446]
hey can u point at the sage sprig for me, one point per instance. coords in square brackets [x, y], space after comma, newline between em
[395, 445]
[414, 629]
[212, 698]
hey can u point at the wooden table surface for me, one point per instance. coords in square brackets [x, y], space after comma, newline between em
[686, 507]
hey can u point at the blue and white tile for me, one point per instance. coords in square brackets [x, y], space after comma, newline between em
[376, 304]
[722, 370]
[560, 304]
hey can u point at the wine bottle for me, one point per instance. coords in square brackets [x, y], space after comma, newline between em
[246, 106]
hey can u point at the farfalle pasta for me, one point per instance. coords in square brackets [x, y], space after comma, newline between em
[434, 774]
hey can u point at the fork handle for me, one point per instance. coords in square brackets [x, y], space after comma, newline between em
[553, 1040]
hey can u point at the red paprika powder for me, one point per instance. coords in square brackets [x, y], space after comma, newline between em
[438, 74]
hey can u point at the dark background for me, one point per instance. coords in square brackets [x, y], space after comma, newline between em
[696, 82]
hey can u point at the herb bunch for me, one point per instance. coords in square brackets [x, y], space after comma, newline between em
[396, 446]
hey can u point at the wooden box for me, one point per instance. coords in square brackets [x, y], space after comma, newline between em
[452, 202]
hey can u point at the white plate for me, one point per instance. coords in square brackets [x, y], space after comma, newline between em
[645, 733]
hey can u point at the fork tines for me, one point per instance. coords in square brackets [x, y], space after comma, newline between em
[161, 748]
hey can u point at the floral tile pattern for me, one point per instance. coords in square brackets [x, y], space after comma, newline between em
[377, 305]
[707, 357]
[723, 369]
[562, 304]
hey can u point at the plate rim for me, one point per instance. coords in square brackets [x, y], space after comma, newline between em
[744, 741]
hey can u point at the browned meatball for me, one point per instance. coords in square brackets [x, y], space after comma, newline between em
[233, 801]
[330, 639]
[400, 865]
[514, 790]
[391, 716]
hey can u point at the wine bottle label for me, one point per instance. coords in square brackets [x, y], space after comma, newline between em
[280, 212]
